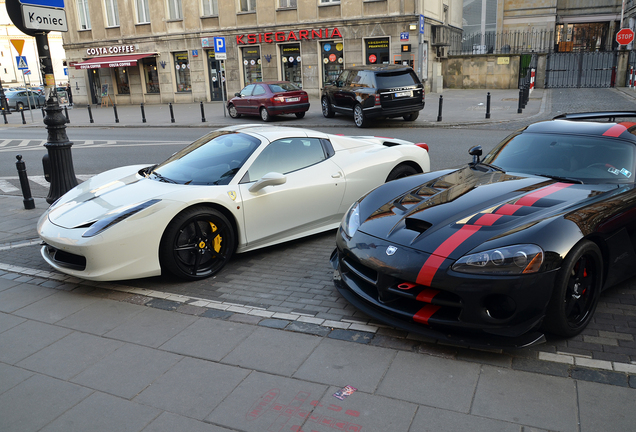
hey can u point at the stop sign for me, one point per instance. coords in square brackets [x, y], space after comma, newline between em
[624, 36]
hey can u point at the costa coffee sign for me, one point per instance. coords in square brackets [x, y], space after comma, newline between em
[294, 35]
[118, 49]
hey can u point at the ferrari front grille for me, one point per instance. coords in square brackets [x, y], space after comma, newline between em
[66, 259]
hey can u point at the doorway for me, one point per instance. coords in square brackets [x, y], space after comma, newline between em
[216, 76]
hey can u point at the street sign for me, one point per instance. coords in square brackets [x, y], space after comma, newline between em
[46, 3]
[22, 62]
[421, 24]
[220, 48]
[27, 72]
[44, 18]
[624, 36]
[18, 44]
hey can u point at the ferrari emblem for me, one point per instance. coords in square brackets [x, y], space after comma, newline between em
[232, 195]
[391, 250]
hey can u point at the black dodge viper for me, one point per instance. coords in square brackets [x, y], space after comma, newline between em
[505, 249]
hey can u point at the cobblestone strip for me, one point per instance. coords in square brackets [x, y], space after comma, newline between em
[579, 367]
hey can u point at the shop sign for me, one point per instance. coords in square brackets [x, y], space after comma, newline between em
[118, 49]
[294, 35]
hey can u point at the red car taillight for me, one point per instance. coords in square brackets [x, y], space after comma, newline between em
[279, 99]
[377, 100]
[422, 145]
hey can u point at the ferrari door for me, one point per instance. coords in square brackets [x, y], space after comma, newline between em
[308, 200]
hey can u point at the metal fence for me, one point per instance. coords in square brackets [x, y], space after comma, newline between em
[514, 42]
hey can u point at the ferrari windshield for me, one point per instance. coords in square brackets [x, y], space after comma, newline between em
[590, 159]
[211, 160]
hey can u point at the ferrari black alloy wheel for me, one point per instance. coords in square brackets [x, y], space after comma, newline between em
[197, 243]
[576, 291]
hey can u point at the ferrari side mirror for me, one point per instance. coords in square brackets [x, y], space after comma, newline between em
[269, 179]
[475, 152]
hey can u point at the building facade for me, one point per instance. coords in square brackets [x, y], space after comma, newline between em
[160, 51]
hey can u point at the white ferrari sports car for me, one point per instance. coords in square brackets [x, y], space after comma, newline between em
[233, 190]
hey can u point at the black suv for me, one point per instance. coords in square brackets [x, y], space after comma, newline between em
[368, 92]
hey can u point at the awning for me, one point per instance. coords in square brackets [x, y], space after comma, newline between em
[112, 61]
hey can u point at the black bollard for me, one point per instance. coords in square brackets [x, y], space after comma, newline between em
[526, 99]
[28, 201]
[90, 113]
[115, 111]
[439, 112]
[171, 113]
[43, 113]
[143, 113]
[23, 119]
[68, 120]
[520, 109]
[202, 113]
[4, 115]
[488, 105]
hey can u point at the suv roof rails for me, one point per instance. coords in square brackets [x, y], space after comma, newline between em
[609, 115]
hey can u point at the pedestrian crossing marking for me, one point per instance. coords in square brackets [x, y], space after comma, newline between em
[7, 187]
[39, 180]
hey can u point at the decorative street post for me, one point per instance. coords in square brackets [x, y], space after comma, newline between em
[58, 161]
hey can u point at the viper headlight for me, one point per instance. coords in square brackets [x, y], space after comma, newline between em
[351, 221]
[510, 260]
[116, 216]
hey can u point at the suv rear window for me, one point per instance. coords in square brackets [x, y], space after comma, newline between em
[396, 79]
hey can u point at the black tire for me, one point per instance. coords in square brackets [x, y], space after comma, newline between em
[265, 115]
[401, 171]
[576, 291]
[358, 116]
[412, 116]
[197, 243]
[231, 109]
[327, 110]
[300, 114]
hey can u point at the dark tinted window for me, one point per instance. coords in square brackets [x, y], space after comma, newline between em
[590, 159]
[364, 79]
[396, 79]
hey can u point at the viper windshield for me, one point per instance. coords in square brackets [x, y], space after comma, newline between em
[211, 160]
[577, 157]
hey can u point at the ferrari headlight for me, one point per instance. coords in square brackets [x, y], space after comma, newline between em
[510, 260]
[116, 216]
[351, 221]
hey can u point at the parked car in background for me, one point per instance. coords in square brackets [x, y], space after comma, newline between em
[268, 99]
[368, 92]
[502, 250]
[19, 100]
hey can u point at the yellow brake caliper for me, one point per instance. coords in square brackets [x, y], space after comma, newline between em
[217, 239]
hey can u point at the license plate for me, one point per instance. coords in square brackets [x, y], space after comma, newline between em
[404, 94]
[296, 99]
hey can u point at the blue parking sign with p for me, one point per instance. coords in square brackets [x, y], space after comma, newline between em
[219, 48]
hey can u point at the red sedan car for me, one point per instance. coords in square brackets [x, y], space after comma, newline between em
[268, 99]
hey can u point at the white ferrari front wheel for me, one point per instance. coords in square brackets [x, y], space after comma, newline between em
[197, 243]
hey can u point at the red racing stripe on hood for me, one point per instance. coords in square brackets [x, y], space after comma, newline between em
[432, 264]
[535, 196]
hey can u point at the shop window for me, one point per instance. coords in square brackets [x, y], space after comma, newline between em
[332, 60]
[248, 5]
[210, 7]
[182, 67]
[377, 51]
[143, 12]
[287, 4]
[83, 16]
[290, 64]
[121, 78]
[112, 13]
[174, 10]
[252, 65]
[150, 73]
